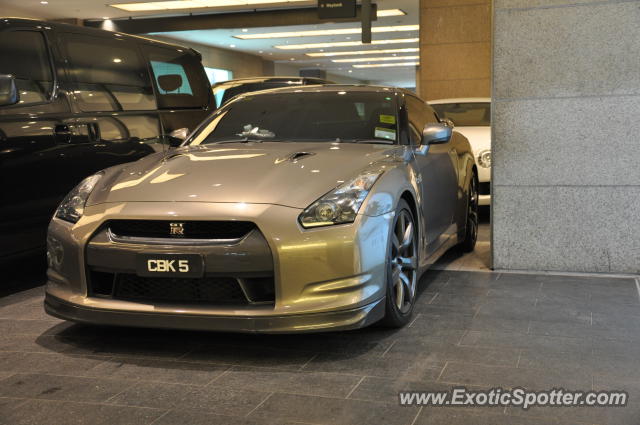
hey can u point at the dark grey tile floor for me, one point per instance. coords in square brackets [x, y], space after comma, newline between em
[471, 328]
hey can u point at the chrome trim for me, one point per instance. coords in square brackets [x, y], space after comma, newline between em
[173, 241]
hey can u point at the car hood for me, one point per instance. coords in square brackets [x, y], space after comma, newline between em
[479, 137]
[290, 174]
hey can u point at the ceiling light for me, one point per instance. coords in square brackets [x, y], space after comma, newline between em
[232, 45]
[345, 44]
[387, 58]
[194, 4]
[320, 33]
[44, 2]
[390, 12]
[387, 65]
[106, 18]
[365, 52]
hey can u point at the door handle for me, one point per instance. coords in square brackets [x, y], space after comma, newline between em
[62, 133]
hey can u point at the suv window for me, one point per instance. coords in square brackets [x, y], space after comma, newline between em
[24, 55]
[108, 75]
[178, 77]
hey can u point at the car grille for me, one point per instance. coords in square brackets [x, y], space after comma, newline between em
[218, 289]
[484, 188]
[210, 290]
[192, 229]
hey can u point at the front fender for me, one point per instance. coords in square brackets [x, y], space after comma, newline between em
[389, 188]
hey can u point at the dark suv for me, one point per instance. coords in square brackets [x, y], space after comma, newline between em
[75, 100]
[227, 90]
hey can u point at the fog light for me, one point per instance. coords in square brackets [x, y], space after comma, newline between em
[55, 253]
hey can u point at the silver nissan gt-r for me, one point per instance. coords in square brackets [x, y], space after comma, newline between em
[288, 210]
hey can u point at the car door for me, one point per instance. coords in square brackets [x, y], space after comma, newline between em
[438, 175]
[33, 164]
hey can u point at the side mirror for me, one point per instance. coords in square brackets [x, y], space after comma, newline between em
[434, 134]
[8, 91]
[176, 137]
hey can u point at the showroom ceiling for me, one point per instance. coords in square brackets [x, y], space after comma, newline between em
[391, 60]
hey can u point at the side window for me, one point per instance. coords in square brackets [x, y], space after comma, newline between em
[432, 117]
[417, 114]
[24, 55]
[178, 77]
[108, 75]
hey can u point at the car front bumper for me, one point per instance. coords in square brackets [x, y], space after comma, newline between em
[299, 323]
[330, 278]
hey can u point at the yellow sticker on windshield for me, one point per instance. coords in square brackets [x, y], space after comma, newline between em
[388, 119]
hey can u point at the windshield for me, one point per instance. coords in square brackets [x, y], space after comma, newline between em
[304, 116]
[469, 114]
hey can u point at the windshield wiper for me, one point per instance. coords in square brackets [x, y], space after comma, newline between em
[372, 141]
[243, 140]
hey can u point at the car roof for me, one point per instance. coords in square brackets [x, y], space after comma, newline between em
[76, 29]
[327, 88]
[461, 100]
[268, 79]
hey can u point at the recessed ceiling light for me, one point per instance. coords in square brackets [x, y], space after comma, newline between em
[344, 44]
[106, 18]
[320, 33]
[386, 58]
[390, 12]
[292, 59]
[387, 65]
[365, 52]
[350, 71]
[117, 60]
[194, 4]
[232, 45]
[44, 2]
[245, 30]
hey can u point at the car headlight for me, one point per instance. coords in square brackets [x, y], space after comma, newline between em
[342, 204]
[484, 159]
[72, 206]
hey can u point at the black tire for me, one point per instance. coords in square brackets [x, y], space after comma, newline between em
[468, 244]
[402, 268]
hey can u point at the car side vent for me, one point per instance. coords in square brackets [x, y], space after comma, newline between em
[294, 157]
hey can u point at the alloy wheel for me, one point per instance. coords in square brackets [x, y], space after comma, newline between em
[404, 262]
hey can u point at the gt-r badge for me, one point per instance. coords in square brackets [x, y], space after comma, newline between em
[176, 229]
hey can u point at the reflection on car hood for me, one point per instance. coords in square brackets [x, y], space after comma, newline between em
[290, 174]
[479, 137]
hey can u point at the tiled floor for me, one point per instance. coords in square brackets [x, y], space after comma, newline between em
[477, 329]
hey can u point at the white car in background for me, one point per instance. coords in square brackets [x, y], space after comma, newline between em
[472, 118]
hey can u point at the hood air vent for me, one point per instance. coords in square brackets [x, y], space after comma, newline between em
[294, 157]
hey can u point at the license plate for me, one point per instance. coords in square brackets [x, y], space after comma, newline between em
[169, 265]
